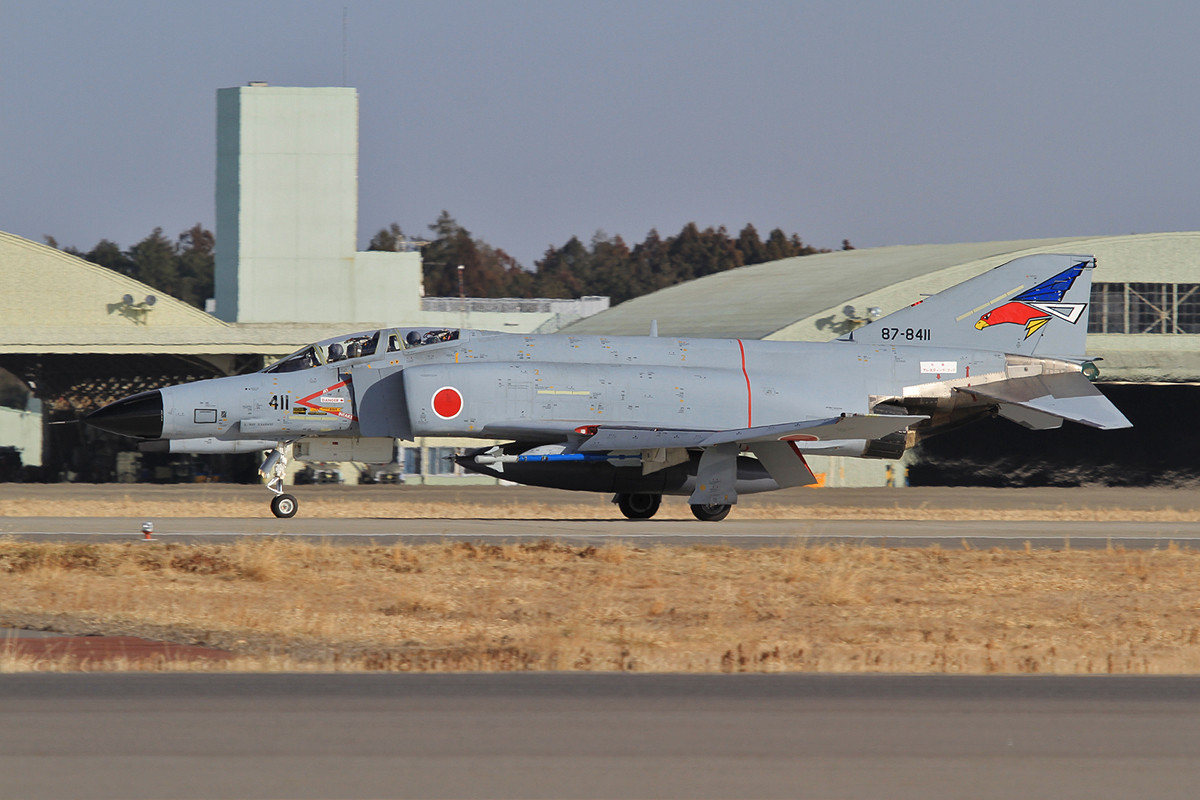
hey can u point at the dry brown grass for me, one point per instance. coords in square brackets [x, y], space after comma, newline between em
[290, 605]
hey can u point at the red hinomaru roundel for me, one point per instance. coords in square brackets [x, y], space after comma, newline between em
[447, 402]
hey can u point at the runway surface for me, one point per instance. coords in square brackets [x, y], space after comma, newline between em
[977, 534]
[385, 514]
[587, 735]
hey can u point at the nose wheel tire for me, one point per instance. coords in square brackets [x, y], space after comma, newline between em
[639, 506]
[710, 513]
[284, 506]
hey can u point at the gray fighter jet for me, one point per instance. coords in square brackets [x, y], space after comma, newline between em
[644, 416]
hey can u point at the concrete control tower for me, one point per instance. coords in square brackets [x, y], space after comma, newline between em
[287, 213]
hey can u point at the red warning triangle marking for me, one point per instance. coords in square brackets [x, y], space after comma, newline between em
[306, 402]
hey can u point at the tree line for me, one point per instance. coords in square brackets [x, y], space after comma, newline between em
[606, 265]
[182, 268]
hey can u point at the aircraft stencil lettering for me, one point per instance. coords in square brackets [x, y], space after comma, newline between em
[1036, 307]
[645, 416]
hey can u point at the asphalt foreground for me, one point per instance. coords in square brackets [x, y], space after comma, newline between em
[590, 735]
[597, 736]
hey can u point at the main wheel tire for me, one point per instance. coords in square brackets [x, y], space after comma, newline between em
[639, 505]
[711, 513]
[284, 506]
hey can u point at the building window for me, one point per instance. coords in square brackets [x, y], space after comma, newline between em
[1108, 308]
[1145, 308]
[412, 461]
[1187, 307]
[1149, 307]
[440, 463]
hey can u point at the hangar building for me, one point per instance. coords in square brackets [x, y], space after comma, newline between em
[1144, 323]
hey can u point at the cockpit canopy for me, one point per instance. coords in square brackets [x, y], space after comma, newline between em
[361, 345]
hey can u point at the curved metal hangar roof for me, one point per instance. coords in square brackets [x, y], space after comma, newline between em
[805, 298]
[54, 302]
[1144, 318]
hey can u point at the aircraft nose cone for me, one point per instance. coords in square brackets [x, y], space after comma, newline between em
[139, 415]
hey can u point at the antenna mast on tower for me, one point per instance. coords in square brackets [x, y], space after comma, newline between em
[345, 14]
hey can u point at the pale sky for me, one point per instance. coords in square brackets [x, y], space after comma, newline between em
[531, 122]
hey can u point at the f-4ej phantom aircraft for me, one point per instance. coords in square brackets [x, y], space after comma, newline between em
[645, 416]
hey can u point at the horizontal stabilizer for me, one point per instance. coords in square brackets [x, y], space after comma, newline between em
[1067, 395]
[858, 426]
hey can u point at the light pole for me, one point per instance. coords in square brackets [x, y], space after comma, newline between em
[462, 300]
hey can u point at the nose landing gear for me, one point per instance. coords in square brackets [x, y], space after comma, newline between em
[283, 505]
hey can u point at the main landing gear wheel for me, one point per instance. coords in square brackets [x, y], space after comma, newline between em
[284, 506]
[639, 506]
[714, 512]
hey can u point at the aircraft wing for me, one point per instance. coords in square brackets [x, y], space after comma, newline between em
[854, 426]
[858, 426]
[617, 437]
[1042, 401]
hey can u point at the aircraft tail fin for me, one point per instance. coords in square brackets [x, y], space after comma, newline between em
[1034, 305]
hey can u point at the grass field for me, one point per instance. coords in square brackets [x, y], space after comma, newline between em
[290, 605]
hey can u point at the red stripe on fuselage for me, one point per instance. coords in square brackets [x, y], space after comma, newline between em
[749, 396]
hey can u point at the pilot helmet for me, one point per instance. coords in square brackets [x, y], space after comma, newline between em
[413, 338]
[335, 351]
